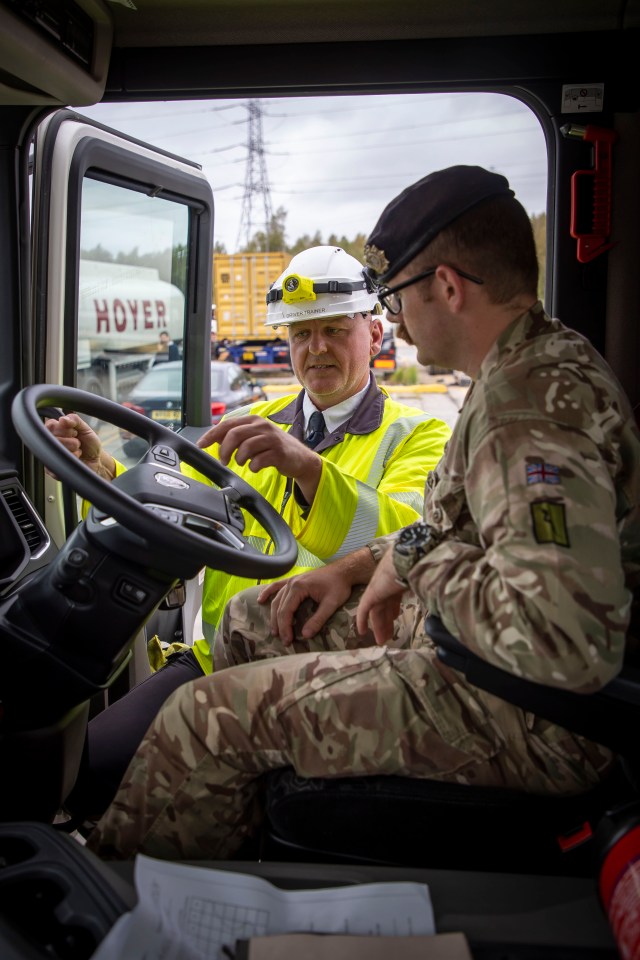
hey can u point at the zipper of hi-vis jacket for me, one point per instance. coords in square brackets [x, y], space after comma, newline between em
[288, 490]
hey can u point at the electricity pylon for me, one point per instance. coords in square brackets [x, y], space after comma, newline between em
[256, 183]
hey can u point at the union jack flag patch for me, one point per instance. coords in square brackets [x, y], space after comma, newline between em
[543, 473]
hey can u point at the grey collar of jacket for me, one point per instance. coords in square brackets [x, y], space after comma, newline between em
[366, 418]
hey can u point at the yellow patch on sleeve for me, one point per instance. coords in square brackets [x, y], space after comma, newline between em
[549, 522]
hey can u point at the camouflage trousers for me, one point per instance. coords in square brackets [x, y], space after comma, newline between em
[194, 787]
[245, 634]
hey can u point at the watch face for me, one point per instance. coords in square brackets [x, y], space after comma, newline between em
[415, 536]
[412, 544]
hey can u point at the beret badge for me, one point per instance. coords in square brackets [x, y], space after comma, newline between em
[375, 258]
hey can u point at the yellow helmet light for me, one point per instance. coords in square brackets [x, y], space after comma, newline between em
[296, 288]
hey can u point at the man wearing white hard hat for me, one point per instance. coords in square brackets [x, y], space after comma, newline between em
[356, 473]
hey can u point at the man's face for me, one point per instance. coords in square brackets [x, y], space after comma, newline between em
[330, 357]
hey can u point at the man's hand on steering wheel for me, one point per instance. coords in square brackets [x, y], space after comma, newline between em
[170, 521]
[83, 442]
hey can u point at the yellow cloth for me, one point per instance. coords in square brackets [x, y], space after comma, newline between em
[158, 654]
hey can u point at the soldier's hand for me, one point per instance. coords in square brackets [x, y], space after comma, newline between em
[256, 440]
[83, 442]
[380, 603]
[327, 587]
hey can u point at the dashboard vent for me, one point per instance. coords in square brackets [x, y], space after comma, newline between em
[33, 532]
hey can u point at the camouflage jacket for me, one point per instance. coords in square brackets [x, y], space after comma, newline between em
[537, 497]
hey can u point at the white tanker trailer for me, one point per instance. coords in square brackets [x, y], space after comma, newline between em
[122, 310]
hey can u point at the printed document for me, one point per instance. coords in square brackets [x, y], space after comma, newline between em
[192, 913]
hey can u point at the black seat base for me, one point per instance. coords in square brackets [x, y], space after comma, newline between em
[399, 821]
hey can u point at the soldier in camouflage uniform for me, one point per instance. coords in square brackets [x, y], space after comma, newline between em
[528, 552]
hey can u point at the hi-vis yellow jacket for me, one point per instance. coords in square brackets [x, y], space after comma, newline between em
[372, 482]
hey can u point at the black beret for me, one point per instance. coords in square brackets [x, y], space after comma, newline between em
[422, 211]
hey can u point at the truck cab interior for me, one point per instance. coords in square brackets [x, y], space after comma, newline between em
[79, 598]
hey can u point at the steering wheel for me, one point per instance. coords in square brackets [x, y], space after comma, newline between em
[182, 520]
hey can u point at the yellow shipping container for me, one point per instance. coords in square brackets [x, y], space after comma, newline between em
[240, 285]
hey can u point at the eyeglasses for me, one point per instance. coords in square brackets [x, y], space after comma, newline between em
[388, 296]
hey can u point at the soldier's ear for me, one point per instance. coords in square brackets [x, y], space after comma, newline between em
[450, 286]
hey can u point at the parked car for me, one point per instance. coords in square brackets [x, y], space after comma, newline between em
[158, 394]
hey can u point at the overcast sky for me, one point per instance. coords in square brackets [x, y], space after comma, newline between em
[334, 163]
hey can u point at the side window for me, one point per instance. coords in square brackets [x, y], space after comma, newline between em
[131, 289]
[131, 300]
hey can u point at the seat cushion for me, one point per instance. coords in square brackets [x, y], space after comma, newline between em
[411, 822]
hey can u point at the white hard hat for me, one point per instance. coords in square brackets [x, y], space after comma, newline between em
[320, 282]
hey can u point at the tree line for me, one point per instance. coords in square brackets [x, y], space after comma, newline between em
[171, 264]
[274, 239]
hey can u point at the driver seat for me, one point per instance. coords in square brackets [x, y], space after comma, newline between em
[401, 821]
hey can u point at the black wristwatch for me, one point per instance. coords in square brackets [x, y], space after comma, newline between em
[411, 545]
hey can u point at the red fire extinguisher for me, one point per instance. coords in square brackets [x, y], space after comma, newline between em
[617, 839]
